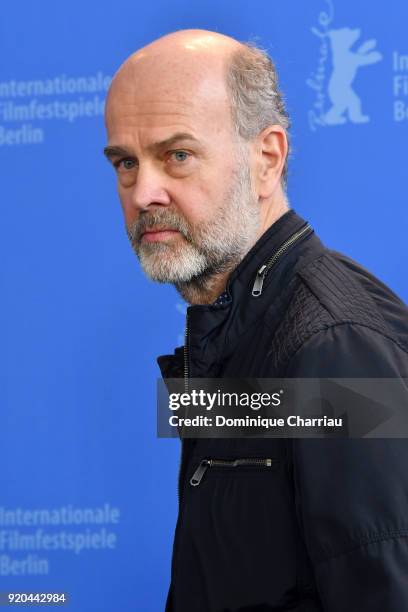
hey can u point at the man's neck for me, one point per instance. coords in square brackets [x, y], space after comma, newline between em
[207, 288]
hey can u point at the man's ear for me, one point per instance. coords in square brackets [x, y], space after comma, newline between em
[271, 149]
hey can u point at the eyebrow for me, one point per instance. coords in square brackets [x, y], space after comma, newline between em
[119, 150]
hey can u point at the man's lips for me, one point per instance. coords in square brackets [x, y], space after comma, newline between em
[155, 235]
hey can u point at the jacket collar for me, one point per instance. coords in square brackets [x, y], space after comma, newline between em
[211, 330]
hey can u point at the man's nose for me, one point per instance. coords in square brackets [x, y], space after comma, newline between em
[149, 189]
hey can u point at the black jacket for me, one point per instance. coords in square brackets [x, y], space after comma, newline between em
[327, 527]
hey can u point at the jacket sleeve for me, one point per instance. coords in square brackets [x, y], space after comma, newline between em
[352, 494]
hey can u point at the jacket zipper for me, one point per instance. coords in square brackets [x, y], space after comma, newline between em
[186, 356]
[264, 269]
[186, 391]
[228, 463]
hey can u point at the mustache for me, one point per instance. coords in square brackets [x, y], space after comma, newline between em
[165, 219]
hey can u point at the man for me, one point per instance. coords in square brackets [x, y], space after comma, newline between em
[198, 135]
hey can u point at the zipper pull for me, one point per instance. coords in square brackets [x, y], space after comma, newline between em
[199, 473]
[259, 280]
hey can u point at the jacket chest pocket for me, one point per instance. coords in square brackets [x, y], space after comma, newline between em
[236, 528]
[246, 463]
[248, 496]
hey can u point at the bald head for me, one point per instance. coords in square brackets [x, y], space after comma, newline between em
[183, 68]
[186, 50]
[203, 41]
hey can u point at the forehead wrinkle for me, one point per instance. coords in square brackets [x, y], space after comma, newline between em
[156, 107]
[133, 117]
[152, 112]
[150, 108]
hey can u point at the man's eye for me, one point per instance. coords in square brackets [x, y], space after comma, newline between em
[125, 164]
[180, 156]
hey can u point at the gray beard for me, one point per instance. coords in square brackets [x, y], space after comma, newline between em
[193, 261]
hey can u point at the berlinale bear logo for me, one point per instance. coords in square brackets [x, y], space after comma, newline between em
[344, 104]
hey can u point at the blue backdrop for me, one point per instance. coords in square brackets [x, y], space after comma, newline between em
[88, 493]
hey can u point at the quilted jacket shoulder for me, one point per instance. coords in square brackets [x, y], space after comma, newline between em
[333, 290]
